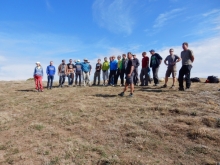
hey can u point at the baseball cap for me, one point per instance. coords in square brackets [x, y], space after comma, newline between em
[152, 50]
[78, 60]
[85, 59]
[37, 62]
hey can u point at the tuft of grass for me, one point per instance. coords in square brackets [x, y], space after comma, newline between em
[38, 127]
[3, 147]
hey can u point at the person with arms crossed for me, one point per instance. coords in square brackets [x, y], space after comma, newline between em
[187, 60]
[129, 76]
[144, 76]
[136, 65]
[51, 70]
[97, 73]
[171, 67]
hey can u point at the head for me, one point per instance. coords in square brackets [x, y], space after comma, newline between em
[129, 55]
[152, 52]
[99, 61]
[71, 61]
[38, 64]
[63, 61]
[85, 60]
[185, 46]
[124, 56]
[105, 59]
[134, 56]
[51, 62]
[110, 58]
[78, 61]
[113, 57]
[119, 57]
[144, 54]
[171, 51]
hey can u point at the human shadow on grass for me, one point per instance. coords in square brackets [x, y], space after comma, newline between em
[26, 90]
[104, 95]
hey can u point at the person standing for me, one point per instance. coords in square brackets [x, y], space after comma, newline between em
[38, 75]
[144, 76]
[155, 62]
[78, 72]
[136, 65]
[129, 76]
[62, 72]
[171, 67]
[113, 69]
[70, 72]
[118, 74]
[97, 72]
[51, 70]
[124, 64]
[105, 68]
[86, 72]
[187, 60]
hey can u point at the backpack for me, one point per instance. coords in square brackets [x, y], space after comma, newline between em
[212, 79]
[195, 79]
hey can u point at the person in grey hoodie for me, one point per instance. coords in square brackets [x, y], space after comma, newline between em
[38, 75]
[136, 65]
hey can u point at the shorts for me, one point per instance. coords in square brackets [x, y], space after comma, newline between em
[105, 75]
[171, 70]
[129, 80]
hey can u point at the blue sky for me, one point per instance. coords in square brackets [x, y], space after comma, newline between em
[44, 30]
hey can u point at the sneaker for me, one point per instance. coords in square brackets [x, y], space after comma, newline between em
[181, 89]
[172, 87]
[155, 84]
[93, 84]
[121, 94]
[142, 85]
[187, 89]
[164, 86]
[131, 95]
[113, 85]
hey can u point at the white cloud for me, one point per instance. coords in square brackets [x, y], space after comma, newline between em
[164, 17]
[116, 16]
[214, 11]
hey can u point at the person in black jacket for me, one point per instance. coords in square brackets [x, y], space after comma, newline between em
[136, 65]
[155, 62]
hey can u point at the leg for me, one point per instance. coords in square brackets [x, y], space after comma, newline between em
[36, 82]
[80, 78]
[76, 77]
[115, 77]
[141, 76]
[60, 80]
[137, 76]
[40, 83]
[99, 73]
[64, 78]
[146, 79]
[48, 81]
[187, 75]
[68, 76]
[51, 81]
[94, 79]
[156, 75]
[181, 74]
[110, 77]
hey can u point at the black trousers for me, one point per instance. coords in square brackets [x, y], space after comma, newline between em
[120, 73]
[185, 71]
[112, 74]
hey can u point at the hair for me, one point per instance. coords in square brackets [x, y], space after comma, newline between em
[119, 56]
[144, 53]
[129, 53]
[171, 49]
[123, 54]
[113, 56]
[70, 59]
[185, 43]
[51, 61]
[63, 60]
[99, 59]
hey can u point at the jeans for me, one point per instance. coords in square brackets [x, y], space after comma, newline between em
[97, 74]
[112, 74]
[155, 74]
[78, 74]
[62, 80]
[185, 70]
[50, 81]
[144, 76]
[70, 78]
[136, 79]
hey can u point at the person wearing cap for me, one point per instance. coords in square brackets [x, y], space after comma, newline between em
[105, 68]
[113, 69]
[86, 72]
[78, 72]
[51, 70]
[129, 76]
[144, 76]
[155, 62]
[187, 60]
[118, 74]
[97, 73]
[136, 65]
[171, 67]
[62, 72]
[38, 75]
[70, 72]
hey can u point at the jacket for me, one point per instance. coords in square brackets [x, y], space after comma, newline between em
[38, 71]
[51, 70]
[105, 66]
[114, 65]
[60, 67]
[155, 60]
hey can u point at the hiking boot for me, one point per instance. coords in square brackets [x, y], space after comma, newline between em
[164, 86]
[121, 94]
[181, 89]
[130, 95]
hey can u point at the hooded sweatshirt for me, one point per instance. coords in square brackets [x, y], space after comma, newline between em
[38, 71]
[51, 70]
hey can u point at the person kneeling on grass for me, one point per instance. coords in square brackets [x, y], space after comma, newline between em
[38, 75]
[172, 60]
[129, 75]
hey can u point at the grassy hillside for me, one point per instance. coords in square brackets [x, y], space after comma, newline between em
[92, 125]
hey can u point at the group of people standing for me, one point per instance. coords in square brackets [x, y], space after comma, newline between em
[125, 68]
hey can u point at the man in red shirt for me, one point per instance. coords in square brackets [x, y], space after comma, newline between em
[144, 76]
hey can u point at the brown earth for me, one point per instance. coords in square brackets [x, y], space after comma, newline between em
[94, 126]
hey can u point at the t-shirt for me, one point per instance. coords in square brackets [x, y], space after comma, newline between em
[98, 67]
[145, 62]
[129, 65]
[63, 68]
[171, 59]
[186, 57]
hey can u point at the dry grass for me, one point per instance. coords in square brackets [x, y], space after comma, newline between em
[93, 126]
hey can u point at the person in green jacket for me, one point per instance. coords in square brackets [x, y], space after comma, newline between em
[105, 68]
[119, 74]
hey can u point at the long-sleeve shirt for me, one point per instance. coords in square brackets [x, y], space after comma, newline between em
[51, 70]
[120, 64]
[105, 66]
[38, 71]
[114, 65]
[136, 63]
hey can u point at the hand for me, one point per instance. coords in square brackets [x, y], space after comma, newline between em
[129, 75]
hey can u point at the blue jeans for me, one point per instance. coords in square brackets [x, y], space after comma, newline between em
[70, 78]
[62, 80]
[50, 81]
